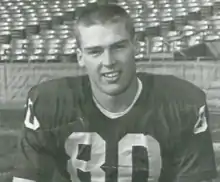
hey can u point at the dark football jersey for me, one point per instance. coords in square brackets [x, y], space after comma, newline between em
[163, 138]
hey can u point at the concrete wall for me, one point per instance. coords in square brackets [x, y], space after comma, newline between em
[17, 79]
[206, 75]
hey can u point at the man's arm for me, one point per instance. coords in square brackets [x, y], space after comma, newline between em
[33, 161]
[193, 154]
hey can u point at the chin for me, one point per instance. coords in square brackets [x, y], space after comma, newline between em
[114, 91]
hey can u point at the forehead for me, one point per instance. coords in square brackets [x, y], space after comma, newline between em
[103, 34]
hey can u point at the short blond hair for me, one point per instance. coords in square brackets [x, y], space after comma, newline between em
[102, 14]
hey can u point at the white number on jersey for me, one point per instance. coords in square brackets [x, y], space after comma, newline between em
[98, 154]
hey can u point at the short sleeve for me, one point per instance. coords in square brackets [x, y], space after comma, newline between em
[193, 155]
[34, 159]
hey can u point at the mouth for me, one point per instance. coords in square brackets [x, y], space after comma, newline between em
[111, 76]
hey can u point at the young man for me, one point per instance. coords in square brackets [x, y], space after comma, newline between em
[114, 125]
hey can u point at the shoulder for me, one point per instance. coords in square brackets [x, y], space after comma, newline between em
[178, 103]
[172, 89]
[52, 89]
[57, 85]
[54, 103]
[176, 89]
[180, 97]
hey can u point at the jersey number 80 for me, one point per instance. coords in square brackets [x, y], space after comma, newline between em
[98, 155]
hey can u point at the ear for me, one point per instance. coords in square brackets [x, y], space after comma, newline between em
[80, 57]
[135, 44]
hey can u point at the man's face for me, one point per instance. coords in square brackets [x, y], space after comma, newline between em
[107, 52]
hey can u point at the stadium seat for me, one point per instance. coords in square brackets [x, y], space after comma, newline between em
[36, 55]
[5, 37]
[4, 52]
[68, 55]
[156, 45]
[36, 42]
[26, 19]
[176, 42]
[167, 24]
[207, 9]
[32, 26]
[19, 55]
[216, 7]
[180, 19]
[45, 22]
[18, 31]
[69, 13]
[53, 43]
[153, 29]
[19, 44]
[215, 23]
[203, 26]
[194, 14]
[52, 55]
[142, 50]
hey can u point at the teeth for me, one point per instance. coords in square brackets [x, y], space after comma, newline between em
[111, 75]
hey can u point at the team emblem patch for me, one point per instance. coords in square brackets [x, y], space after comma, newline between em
[31, 121]
[201, 124]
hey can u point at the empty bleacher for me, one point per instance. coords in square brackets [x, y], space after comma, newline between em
[42, 31]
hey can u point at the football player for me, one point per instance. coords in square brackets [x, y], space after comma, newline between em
[114, 125]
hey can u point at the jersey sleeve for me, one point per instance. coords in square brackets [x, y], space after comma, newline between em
[193, 155]
[35, 158]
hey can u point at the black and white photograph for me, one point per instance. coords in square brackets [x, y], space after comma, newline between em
[109, 90]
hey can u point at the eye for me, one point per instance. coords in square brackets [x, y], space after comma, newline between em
[95, 52]
[119, 46]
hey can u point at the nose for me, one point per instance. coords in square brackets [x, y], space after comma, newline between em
[108, 58]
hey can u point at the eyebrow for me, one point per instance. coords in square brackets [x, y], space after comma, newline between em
[100, 47]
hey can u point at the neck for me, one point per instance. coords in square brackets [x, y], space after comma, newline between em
[117, 103]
